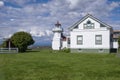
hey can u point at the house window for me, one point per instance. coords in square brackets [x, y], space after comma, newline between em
[88, 25]
[98, 39]
[79, 40]
[68, 40]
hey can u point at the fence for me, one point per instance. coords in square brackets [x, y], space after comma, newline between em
[8, 50]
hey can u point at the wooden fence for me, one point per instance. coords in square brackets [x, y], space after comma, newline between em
[8, 50]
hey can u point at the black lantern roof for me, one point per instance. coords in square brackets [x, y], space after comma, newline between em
[57, 24]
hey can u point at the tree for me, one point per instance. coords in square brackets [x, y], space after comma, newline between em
[22, 40]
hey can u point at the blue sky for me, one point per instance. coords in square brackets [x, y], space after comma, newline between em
[39, 16]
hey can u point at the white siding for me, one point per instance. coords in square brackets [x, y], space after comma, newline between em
[57, 35]
[56, 44]
[89, 38]
[64, 44]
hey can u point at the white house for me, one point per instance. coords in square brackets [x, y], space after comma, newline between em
[87, 35]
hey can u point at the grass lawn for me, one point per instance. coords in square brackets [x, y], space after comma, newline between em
[46, 64]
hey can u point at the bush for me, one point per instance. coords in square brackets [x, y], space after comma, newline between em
[66, 50]
[22, 40]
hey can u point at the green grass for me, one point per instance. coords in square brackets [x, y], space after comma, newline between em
[46, 64]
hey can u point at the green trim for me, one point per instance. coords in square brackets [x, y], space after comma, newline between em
[90, 50]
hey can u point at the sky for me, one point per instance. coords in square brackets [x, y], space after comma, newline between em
[39, 16]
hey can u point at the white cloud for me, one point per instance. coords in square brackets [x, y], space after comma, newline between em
[1, 3]
[22, 30]
[48, 13]
[114, 5]
[37, 32]
[48, 32]
[73, 3]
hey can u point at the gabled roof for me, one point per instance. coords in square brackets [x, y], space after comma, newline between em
[88, 16]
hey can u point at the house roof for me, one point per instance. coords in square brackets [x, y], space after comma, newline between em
[88, 16]
[118, 31]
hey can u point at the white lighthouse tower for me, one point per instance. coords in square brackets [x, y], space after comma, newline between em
[57, 39]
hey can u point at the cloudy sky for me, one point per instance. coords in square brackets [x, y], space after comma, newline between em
[39, 16]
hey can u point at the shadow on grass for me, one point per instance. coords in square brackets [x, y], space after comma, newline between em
[29, 51]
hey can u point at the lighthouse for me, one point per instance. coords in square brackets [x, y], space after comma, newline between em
[57, 39]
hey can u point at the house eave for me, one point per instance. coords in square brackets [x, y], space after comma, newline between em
[88, 15]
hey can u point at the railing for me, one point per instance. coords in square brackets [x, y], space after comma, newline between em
[8, 50]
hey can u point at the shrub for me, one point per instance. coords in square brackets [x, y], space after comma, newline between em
[22, 40]
[66, 50]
